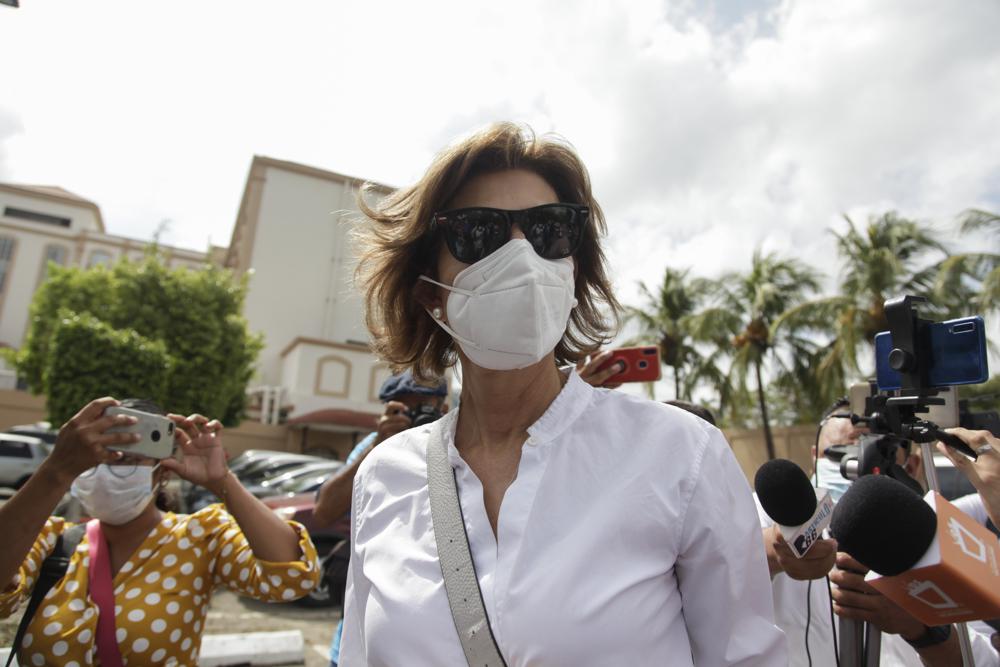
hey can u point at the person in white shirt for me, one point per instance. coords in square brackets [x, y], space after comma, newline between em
[605, 529]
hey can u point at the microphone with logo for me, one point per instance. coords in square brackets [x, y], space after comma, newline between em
[925, 555]
[801, 511]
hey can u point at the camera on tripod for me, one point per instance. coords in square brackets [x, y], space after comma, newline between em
[918, 362]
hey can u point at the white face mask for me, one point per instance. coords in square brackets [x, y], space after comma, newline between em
[112, 499]
[510, 309]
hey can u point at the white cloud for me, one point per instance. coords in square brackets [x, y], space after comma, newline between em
[10, 126]
[709, 128]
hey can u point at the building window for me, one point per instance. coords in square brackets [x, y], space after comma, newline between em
[98, 257]
[11, 212]
[56, 254]
[7, 245]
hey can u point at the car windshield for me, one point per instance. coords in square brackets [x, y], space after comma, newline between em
[270, 469]
[953, 484]
[307, 483]
[291, 476]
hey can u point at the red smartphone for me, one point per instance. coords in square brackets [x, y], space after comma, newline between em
[642, 364]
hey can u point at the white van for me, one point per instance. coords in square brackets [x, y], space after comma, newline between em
[20, 456]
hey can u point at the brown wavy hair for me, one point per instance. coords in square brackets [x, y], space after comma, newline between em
[399, 245]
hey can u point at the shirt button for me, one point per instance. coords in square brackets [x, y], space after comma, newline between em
[532, 442]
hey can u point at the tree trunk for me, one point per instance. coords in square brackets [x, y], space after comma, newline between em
[677, 384]
[768, 439]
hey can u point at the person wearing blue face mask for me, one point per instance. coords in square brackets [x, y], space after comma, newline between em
[834, 430]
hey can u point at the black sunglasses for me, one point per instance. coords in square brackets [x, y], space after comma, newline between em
[554, 230]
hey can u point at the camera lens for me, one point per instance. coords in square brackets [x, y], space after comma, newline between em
[155, 435]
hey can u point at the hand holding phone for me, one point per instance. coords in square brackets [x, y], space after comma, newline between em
[639, 364]
[156, 433]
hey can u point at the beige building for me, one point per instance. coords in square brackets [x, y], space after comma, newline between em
[293, 232]
[39, 224]
[317, 383]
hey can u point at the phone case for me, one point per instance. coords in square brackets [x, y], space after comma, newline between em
[157, 433]
[642, 364]
[957, 355]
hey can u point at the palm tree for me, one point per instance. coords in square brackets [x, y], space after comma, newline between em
[664, 317]
[960, 274]
[890, 256]
[747, 306]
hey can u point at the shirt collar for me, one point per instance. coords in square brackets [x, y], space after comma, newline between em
[575, 396]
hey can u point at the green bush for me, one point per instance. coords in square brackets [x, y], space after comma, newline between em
[89, 359]
[194, 314]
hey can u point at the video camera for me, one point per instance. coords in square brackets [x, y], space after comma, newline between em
[917, 361]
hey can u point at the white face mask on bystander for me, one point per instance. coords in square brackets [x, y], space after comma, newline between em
[112, 498]
[510, 309]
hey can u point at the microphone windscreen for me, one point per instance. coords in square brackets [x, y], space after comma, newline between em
[784, 492]
[883, 525]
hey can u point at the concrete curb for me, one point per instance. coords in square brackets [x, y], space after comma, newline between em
[251, 648]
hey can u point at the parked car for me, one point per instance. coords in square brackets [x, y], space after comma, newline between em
[250, 470]
[272, 466]
[952, 483]
[308, 483]
[20, 456]
[41, 430]
[332, 542]
[277, 485]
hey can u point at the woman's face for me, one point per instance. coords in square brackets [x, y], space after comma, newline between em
[514, 189]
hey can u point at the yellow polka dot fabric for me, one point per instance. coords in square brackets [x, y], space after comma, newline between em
[161, 593]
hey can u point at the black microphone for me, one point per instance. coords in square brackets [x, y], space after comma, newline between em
[800, 510]
[935, 562]
[883, 524]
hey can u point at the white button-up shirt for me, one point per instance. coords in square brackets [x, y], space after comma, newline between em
[629, 537]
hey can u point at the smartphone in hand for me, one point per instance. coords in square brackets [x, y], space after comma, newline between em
[156, 431]
[641, 364]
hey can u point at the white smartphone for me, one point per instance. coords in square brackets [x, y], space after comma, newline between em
[157, 433]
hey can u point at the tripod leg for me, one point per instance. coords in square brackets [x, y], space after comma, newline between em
[851, 643]
[873, 646]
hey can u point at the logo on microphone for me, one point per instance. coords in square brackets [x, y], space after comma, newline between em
[804, 541]
[930, 594]
[810, 532]
[971, 546]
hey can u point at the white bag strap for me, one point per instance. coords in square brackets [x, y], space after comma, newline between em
[455, 558]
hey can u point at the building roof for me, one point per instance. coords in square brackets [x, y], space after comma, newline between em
[56, 194]
[242, 240]
[336, 417]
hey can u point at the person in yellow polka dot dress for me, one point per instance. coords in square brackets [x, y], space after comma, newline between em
[164, 566]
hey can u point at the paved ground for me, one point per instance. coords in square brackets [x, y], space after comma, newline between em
[229, 613]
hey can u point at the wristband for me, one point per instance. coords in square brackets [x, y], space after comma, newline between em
[933, 635]
[223, 495]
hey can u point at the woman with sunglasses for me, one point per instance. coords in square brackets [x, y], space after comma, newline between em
[604, 529]
[161, 567]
